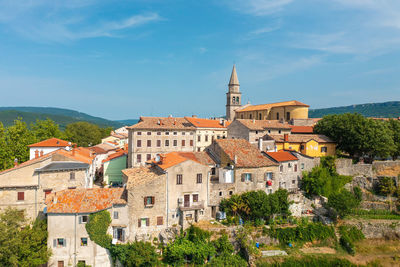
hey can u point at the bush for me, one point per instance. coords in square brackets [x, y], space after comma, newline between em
[227, 260]
[346, 243]
[349, 235]
[137, 254]
[97, 228]
[343, 202]
[309, 261]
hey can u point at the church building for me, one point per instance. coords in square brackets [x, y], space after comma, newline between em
[286, 111]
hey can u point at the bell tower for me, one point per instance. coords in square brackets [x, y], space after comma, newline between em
[233, 96]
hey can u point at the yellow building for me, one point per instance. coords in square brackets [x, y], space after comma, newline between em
[313, 145]
[276, 111]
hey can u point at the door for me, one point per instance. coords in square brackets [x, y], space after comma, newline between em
[196, 215]
[214, 212]
[186, 200]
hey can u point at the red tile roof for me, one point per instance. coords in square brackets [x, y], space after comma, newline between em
[302, 138]
[245, 153]
[84, 200]
[282, 156]
[162, 123]
[30, 162]
[261, 125]
[174, 158]
[272, 105]
[52, 142]
[141, 175]
[207, 123]
[302, 129]
[115, 155]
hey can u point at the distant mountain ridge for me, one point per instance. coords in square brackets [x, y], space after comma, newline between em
[59, 115]
[380, 110]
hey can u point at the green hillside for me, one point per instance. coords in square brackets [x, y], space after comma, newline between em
[60, 116]
[380, 110]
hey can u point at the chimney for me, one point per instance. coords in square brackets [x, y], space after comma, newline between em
[55, 198]
[36, 154]
[254, 120]
[162, 157]
[15, 162]
[235, 159]
[159, 122]
[260, 144]
[286, 137]
[224, 123]
[174, 121]
[41, 152]
[73, 150]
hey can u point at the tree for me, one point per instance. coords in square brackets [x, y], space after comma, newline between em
[22, 244]
[387, 188]
[343, 202]
[136, 254]
[5, 159]
[394, 126]
[45, 129]
[84, 133]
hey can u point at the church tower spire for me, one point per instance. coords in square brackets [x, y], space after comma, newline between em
[233, 96]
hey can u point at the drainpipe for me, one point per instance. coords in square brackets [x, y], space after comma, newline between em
[167, 202]
[36, 193]
[208, 181]
[75, 239]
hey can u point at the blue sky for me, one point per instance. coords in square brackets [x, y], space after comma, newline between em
[123, 59]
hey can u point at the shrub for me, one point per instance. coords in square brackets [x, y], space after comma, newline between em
[343, 202]
[309, 261]
[97, 228]
[346, 243]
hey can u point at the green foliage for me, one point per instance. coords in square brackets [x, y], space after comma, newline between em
[137, 254]
[357, 193]
[223, 245]
[309, 261]
[46, 129]
[303, 233]
[22, 244]
[85, 133]
[97, 228]
[358, 136]
[394, 126]
[323, 179]
[354, 234]
[256, 205]
[227, 260]
[386, 186]
[343, 202]
[82, 264]
[374, 214]
[346, 243]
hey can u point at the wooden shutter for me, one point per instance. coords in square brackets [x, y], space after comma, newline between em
[80, 219]
[21, 195]
[159, 220]
[65, 242]
[139, 223]
[123, 235]
[54, 242]
[145, 201]
[152, 200]
[147, 221]
[243, 177]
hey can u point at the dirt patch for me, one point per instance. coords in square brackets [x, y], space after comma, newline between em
[318, 250]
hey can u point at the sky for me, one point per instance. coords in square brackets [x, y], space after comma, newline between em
[124, 59]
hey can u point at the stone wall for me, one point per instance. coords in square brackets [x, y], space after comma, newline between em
[386, 168]
[377, 168]
[389, 229]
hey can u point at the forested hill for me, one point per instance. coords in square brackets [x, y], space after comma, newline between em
[60, 116]
[380, 110]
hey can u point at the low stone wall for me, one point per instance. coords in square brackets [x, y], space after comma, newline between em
[372, 229]
[346, 167]
[386, 168]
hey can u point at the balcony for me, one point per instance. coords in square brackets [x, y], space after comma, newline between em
[192, 206]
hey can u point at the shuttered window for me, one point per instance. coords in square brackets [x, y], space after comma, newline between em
[72, 176]
[179, 179]
[199, 179]
[160, 220]
[149, 201]
[21, 196]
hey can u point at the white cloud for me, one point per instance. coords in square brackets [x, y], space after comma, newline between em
[259, 7]
[61, 21]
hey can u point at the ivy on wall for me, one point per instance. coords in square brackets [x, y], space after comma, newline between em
[97, 228]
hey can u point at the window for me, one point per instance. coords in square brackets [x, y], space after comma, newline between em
[183, 133]
[148, 157]
[268, 176]
[251, 116]
[293, 181]
[166, 133]
[158, 143]
[302, 166]
[199, 178]
[220, 193]
[139, 143]
[175, 142]
[281, 168]
[198, 138]
[148, 133]
[179, 179]
[72, 176]
[241, 116]
[139, 133]
[71, 187]
[183, 142]
[148, 201]
[246, 177]
[160, 220]
[324, 149]
[21, 196]
[166, 142]
[259, 116]
[46, 192]
[277, 116]
[287, 115]
[230, 193]
[119, 234]
[279, 131]
[301, 147]
[295, 167]
[116, 214]
[213, 171]
[60, 264]
[269, 131]
[206, 138]
[158, 133]
[83, 219]
[138, 158]
[59, 242]
[143, 222]
[191, 142]
[84, 241]
[175, 133]
[148, 143]
[289, 165]
[195, 198]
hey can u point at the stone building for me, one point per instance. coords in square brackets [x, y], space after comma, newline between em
[170, 192]
[26, 185]
[67, 214]
[240, 167]
[233, 96]
[157, 135]
[43, 147]
[252, 130]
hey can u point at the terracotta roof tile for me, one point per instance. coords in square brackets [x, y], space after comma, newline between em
[115, 155]
[207, 123]
[246, 154]
[52, 142]
[30, 162]
[302, 138]
[282, 156]
[174, 158]
[84, 200]
[162, 123]
[272, 105]
[140, 175]
[261, 125]
[302, 129]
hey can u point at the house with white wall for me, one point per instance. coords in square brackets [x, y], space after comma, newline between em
[44, 147]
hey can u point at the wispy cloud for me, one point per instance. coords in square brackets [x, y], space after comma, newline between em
[61, 21]
[259, 7]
